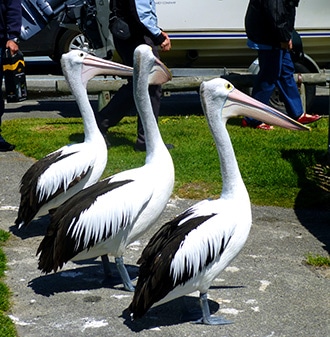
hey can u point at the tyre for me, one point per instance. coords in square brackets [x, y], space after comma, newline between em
[70, 40]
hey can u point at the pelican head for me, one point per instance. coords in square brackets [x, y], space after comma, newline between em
[220, 95]
[90, 66]
[147, 62]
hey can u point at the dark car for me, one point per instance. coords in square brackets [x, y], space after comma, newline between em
[50, 27]
[53, 41]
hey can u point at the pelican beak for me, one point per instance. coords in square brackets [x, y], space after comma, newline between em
[93, 66]
[159, 73]
[239, 104]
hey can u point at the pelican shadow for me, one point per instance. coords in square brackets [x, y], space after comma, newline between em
[64, 107]
[87, 277]
[312, 204]
[184, 309]
[37, 227]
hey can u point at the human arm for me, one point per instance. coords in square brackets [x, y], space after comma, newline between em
[14, 19]
[14, 22]
[146, 12]
[281, 16]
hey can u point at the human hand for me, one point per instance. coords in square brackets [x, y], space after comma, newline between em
[12, 46]
[166, 45]
[286, 45]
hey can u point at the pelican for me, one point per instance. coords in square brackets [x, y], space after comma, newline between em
[62, 173]
[188, 253]
[107, 216]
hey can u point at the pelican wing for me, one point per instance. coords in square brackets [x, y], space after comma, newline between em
[64, 172]
[48, 178]
[201, 247]
[92, 216]
[159, 271]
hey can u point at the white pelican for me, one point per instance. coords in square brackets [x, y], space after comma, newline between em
[107, 216]
[189, 252]
[55, 178]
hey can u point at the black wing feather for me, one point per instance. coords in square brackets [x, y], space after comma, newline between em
[58, 245]
[155, 280]
[29, 203]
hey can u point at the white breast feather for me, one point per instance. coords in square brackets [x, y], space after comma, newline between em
[194, 250]
[109, 214]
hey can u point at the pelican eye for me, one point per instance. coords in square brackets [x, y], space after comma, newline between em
[228, 86]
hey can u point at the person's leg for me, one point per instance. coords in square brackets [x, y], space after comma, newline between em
[288, 87]
[117, 108]
[123, 100]
[270, 65]
[4, 146]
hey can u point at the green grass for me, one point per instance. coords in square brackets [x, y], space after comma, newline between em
[318, 260]
[273, 164]
[7, 328]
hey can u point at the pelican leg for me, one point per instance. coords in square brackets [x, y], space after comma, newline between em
[106, 265]
[207, 318]
[124, 274]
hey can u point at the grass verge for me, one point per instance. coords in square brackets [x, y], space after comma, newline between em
[7, 327]
[274, 164]
[316, 260]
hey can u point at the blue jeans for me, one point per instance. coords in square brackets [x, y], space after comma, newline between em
[276, 69]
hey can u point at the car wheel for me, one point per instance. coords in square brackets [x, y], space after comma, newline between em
[71, 40]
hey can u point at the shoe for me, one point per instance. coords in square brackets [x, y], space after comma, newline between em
[306, 118]
[141, 147]
[262, 126]
[4, 146]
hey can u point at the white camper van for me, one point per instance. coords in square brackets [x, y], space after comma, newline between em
[208, 33]
[204, 34]
[211, 32]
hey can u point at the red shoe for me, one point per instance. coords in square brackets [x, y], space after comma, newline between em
[306, 119]
[262, 126]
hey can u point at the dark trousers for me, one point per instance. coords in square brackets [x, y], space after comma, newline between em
[276, 69]
[123, 101]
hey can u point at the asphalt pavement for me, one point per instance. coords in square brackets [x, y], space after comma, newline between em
[268, 290]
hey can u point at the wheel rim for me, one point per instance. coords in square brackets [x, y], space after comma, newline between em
[79, 42]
